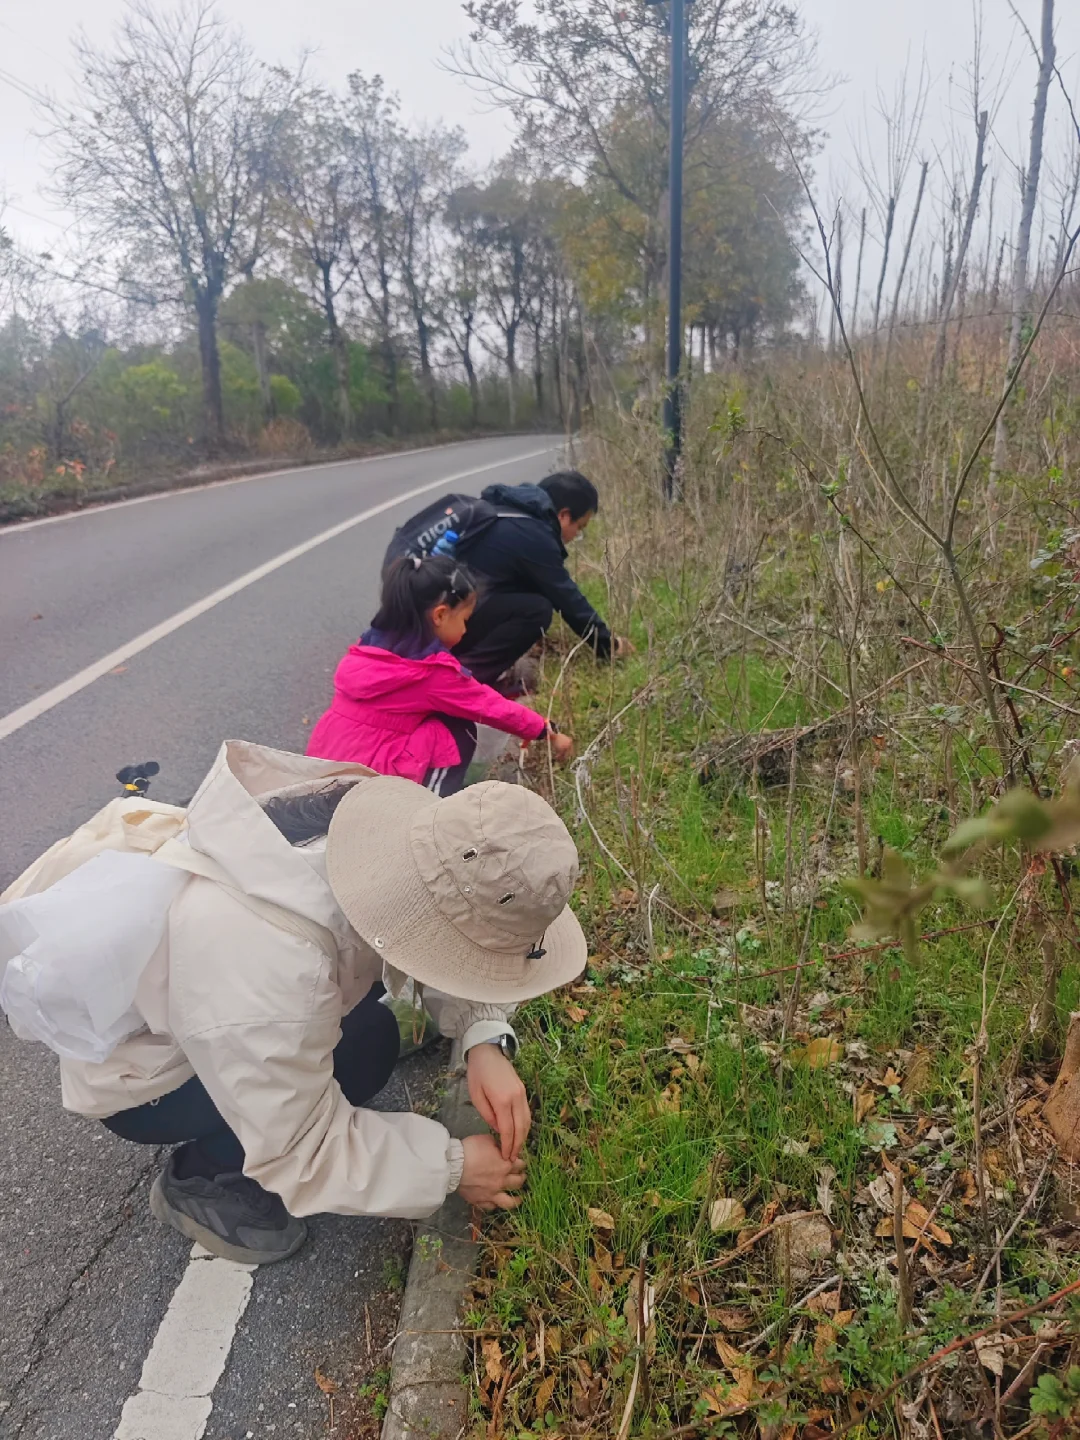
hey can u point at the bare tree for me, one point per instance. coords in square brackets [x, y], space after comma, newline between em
[376, 135]
[1046, 54]
[317, 178]
[427, 170]
[461, 287]
[959, 262]
[903, 118]
[165, 159]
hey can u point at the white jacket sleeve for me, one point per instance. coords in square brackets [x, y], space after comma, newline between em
[265, 1054]
[467, 1022]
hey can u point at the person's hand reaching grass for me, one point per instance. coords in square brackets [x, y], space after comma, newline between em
[496, 1090]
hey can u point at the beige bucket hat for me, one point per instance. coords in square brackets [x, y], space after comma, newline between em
[467, 894]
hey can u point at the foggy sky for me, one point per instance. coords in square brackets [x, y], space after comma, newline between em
[867, 42]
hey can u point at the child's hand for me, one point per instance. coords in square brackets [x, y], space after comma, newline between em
[562, 746]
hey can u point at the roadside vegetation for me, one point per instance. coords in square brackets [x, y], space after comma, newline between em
[792, 1156]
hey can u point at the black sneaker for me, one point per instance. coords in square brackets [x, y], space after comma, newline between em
[231, 1215]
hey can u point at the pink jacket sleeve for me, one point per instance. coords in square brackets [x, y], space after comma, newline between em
[453, 693]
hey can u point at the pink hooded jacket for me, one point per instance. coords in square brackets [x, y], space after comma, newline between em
[385, 708]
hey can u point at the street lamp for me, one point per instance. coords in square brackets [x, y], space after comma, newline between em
[672, 395]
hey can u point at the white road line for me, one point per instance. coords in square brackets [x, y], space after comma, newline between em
[20, 527]
[39, 706]
[189, 1353]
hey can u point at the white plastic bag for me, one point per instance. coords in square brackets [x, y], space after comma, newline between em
[71, 957]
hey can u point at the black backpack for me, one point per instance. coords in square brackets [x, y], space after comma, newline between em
[465, 515]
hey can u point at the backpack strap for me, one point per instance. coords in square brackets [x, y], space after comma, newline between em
[195, 862]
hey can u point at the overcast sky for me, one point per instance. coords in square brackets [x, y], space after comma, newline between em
[866, 41]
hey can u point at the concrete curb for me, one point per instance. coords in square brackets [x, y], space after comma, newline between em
[428, 1396]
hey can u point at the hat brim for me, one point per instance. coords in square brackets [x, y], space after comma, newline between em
[372, 872]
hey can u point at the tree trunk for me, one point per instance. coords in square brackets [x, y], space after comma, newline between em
[853, 323]
[427, 375]
[470, 372]
[538, 368]
[890, 221]
[339, 348]
[937, 369]
[905, 260]
[210, 363]
[511, 372]
[1020, 289]
[258, 345]
[1062, 1109]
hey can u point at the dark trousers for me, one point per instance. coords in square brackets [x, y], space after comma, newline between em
[501, 629]
[363, 1061]
[449, 779]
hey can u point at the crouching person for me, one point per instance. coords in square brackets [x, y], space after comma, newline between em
[308, 885]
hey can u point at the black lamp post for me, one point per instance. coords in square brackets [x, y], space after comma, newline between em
[672, 395]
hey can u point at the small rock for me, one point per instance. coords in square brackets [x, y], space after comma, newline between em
[800, 1245]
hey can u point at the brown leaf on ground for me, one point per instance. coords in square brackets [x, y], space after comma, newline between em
[827, 1304]
[819, 1053]
[493, 1360]
[553, 1340]
[864, 1104]
[669, 1101]
[726, 1214]
[576, 1014]
[726, 1400]
[916, 1082]
[601, 1219]
[733, 1358]
[890, 1078]
[800, 1245]
[733, 1318]
[325, 1384]
[542, 1399]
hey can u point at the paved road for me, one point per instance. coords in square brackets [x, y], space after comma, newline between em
[85, 1274]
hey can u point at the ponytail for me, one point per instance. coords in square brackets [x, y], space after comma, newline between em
[412, 587]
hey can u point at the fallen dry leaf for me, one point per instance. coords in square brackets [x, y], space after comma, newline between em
[576, 1014]
[734, 1359]
[826, 1175]
[669, 1101]
[601, 1219]
[726, 1214]
[734, 1399]
[890, 1078]
[991, 1352]
[733, 1318]
[917, 1080]
[679, 1046]
[493, 1360]
[325, 1384]
[542, 1400]
[819, 1053]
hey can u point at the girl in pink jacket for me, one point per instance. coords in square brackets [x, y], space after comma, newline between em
[403, 704]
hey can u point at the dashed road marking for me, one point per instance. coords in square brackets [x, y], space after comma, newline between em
[189, 1353]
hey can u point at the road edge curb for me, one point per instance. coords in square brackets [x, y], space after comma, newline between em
[429, 1397]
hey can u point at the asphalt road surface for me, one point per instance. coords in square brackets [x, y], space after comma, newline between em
[153, 630]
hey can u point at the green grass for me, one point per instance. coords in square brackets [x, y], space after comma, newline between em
[665, 1081]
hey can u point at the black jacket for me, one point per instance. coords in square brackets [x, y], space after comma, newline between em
[524, 553]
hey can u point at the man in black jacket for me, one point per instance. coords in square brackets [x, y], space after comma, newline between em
[521, 558]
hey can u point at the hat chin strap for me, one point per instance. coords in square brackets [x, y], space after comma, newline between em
[537, 952]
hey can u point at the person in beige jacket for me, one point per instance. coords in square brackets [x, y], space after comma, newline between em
[314, 883]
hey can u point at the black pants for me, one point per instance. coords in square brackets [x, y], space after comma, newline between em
[363, 1061]
[502, 628]
[449, 779]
